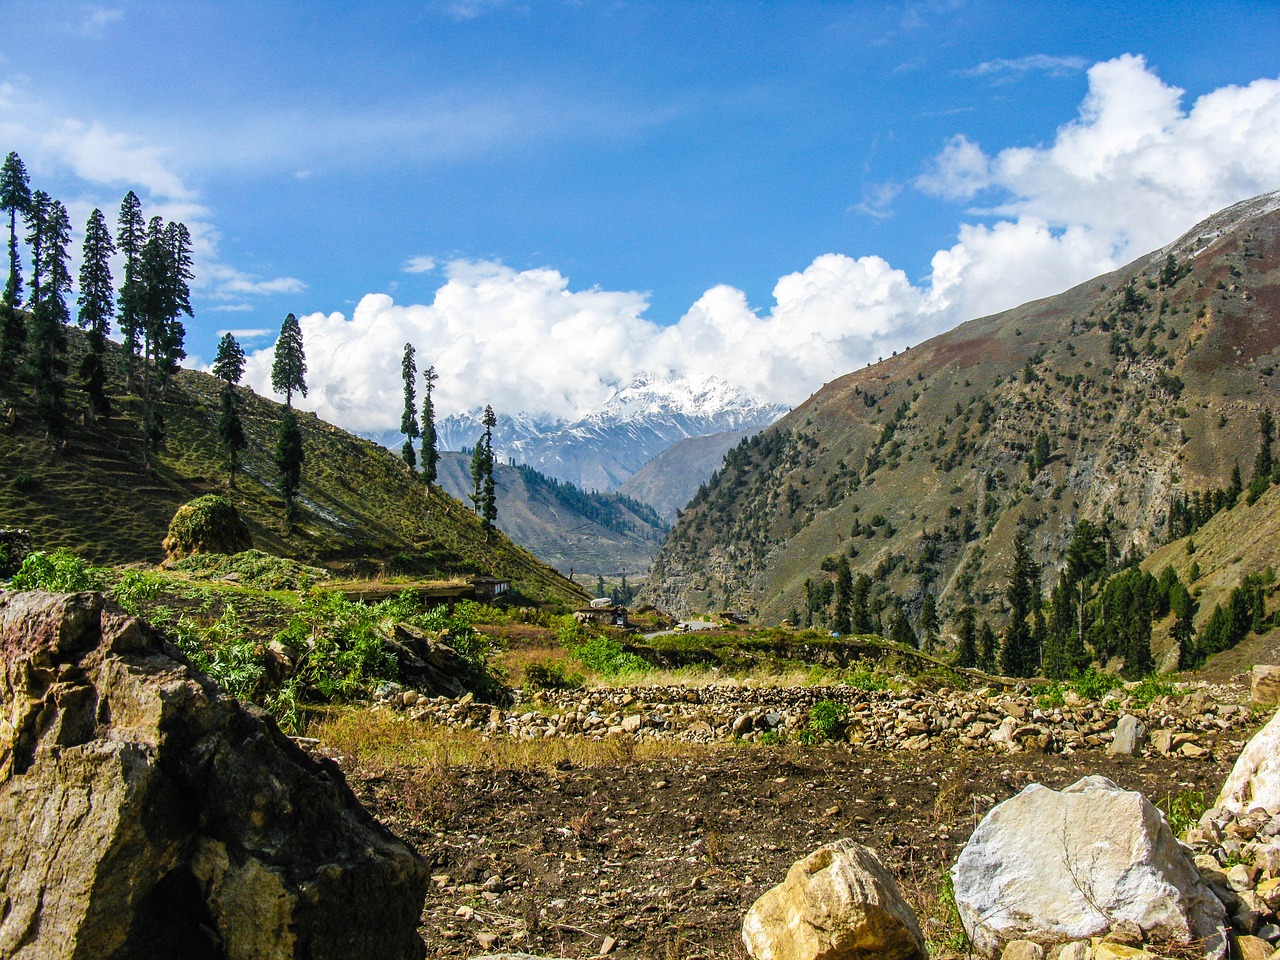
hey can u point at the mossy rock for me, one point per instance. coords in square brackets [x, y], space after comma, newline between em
[209, 524]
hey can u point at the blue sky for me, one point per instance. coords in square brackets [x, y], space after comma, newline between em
[551, 197]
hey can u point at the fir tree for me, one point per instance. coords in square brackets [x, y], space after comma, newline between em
[97, 305]
[489, 493]
[409, 419]
[1263, 464]
[228, 366]
[842, 623]
[1019, 655]
[175, 301]
[928, 623]
[430, 455]
[50, 233]
[289, 366]
[289, 459]
[15, 197]
[900, 627]
[966, 638]
[131, 236]
[987, 646]
[860, 606]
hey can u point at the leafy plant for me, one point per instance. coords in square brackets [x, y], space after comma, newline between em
[61, 571]
[826, 721]
[1183, 809]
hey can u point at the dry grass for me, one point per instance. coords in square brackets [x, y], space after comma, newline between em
[373, 740]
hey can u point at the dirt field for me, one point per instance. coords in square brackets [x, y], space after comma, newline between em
[661, 859]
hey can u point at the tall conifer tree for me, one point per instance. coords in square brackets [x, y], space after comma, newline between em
[131, 236]
[430, 455]
[1020, 657]
[50, 233]
[289, 365]
[15, 197]
[97, 305]
[228, 366]
[409, 418]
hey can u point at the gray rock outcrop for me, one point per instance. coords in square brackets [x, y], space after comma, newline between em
[143, 813]
[1054, 867]
[1255, 779]
[838, 903]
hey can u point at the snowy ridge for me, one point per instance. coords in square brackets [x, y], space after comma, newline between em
[601, 449]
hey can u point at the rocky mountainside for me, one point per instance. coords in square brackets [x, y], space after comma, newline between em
[586, 534]
[669, 480]
[1102, 403]
[602, 449]
[92, 491]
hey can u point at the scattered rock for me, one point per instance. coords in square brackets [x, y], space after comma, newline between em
[145, 813]
[1052, 866]
[838, 902]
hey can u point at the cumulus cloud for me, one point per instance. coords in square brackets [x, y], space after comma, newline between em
[1129, 174]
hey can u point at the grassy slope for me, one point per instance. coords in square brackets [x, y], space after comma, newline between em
[91, 492]
[1120, 441]
[1230, 547]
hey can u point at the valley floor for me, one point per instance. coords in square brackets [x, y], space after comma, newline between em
[661, 858]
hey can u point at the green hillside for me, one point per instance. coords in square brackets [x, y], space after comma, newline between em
[360, 507]
[1101, 403]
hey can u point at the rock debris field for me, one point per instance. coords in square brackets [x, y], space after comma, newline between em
[663, 857]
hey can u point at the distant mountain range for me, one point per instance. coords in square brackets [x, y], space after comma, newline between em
[586, 534]
[602, 449]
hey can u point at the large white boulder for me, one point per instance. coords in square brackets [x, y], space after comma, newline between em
[1053, 867]
[838, 903]
[1255, 779]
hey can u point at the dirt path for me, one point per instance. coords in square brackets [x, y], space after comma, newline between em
[662, 859]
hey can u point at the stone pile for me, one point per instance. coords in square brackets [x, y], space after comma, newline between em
[988, 719]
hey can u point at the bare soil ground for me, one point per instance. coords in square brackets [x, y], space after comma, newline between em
[662, 858]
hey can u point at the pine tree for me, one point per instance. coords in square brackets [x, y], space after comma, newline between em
[489, 493]
[409, 419]
[228, 366]
[430, 455]
[289, 367]
[175, 302]
[842, 623]
[986, 648]
[860, 606]
[928, 623]
[97, 305]
[966, 638]
[50, 233]
[900, 627]
[1019, 655]
[289, 459]
[131, 236]
[15, 197]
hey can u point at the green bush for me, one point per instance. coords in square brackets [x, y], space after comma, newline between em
[826, 721]
[607, 656]
[208, 524]
[61, 571]
[1183, 809]
[1094, 685]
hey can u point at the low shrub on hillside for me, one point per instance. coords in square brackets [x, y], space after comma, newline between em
[826, 721]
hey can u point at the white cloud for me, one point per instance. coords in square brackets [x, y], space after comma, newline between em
[1131, 173]
[97, 19]
[250, 333]
[105, 159]
[1034, 63]
[419, 265]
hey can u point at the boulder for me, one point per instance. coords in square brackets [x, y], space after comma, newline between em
[1255, 779]
[1266, 684]
[838, 903]
[1131, 737]
[1053, 866]
[144, 813]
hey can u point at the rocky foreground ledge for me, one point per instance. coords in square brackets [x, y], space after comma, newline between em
[145, 814]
